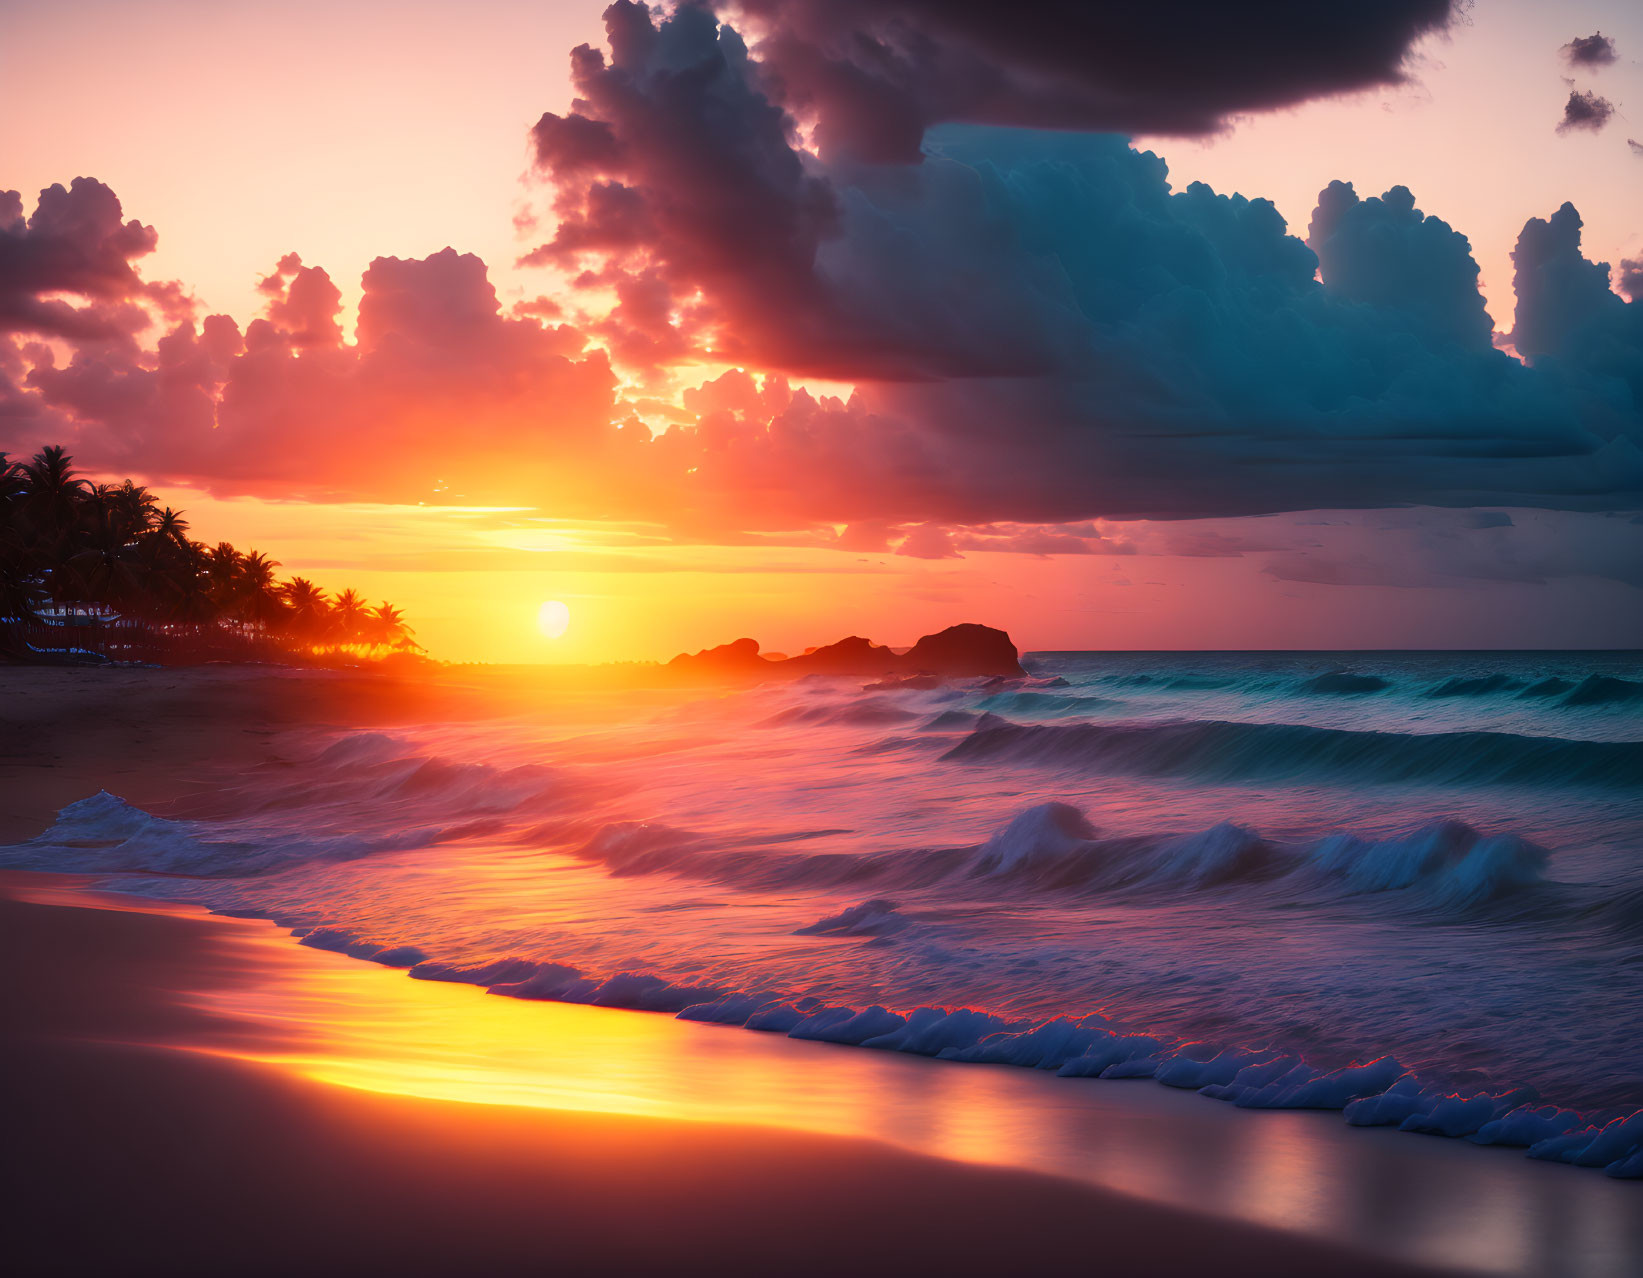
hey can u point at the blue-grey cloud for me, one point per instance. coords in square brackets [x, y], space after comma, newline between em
[1590, 52]
[1585, 112]
[1045, 330]
[1568, 318]
[872, 75]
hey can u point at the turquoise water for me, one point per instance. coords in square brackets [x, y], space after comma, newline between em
[1211, 865]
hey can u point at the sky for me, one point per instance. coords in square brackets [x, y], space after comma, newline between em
[854, 317]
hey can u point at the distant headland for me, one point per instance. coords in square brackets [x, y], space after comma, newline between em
[963, 651]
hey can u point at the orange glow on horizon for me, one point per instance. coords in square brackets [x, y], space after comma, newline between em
[471, 581]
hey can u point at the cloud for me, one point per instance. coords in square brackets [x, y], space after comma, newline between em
[1042, 330]
[1631, 278]
[1567, 316]
[929, 541]
[1437, 548]
[1636, 146]
[1386, 253]
[76, 242]
[303, 303]
[441, 395]
[1585, 111]
[869, 76]
[1589, 52]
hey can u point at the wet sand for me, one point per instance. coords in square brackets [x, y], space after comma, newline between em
[131, 1151]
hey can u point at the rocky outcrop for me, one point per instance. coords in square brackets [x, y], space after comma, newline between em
[964, 651]
[738, 659]
[852, 656]
[959, 652]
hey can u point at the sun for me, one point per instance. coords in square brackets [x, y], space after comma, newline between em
[553, 619]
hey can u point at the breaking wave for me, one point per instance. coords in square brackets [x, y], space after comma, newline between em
[856, 882]
[1380, 1092]
[106, 835]
[1437, 868]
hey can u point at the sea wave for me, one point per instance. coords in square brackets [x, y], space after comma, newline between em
[1563, 687]
[1443, 867]
[1228, 752]
[1378, 1092]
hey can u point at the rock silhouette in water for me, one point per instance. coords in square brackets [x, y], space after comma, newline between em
[738, 658]
[852, 656]
[966, 650]
[961, 652]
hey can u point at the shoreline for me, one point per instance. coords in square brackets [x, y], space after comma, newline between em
[1372, 1199]
[140, 1100]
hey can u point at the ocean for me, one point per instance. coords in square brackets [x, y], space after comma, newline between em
[1408, 886]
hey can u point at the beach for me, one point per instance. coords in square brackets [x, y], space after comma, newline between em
[192, 1093]
[139, 1144]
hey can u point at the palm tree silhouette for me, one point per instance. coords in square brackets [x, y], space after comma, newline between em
[256, 593]
[307, 610]
[388, 629]
[119, 569]
[348, 618]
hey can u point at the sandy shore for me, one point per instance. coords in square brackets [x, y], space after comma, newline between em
[152, 1127]
[132, 1150]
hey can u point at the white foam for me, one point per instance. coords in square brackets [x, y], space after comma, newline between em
[1046, 833]
[1449, 861]
[1617, 1148]
[1526, 1125]
[1110, 1052]
[1333, 1090]
[931, 1031]
[1048, 1045]
[845, 1025]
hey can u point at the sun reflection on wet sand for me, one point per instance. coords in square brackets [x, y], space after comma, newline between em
[1490, 1211]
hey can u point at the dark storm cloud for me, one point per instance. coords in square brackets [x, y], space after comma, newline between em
[1589, 52]
[1585, 111]
[873, 74]
[1044, 330]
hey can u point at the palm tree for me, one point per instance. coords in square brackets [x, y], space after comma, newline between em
[307, 610]
[49, 511]
[106, 565]
[388, 629]
[53, 488]
[170, 524]
[222, 572]
[133, 505]
[256, 595]
[188, 597]
[13, 480]
[348, 618]
[20, 593]
[64, 540]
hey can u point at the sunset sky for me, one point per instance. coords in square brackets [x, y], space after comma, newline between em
[853, 316]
